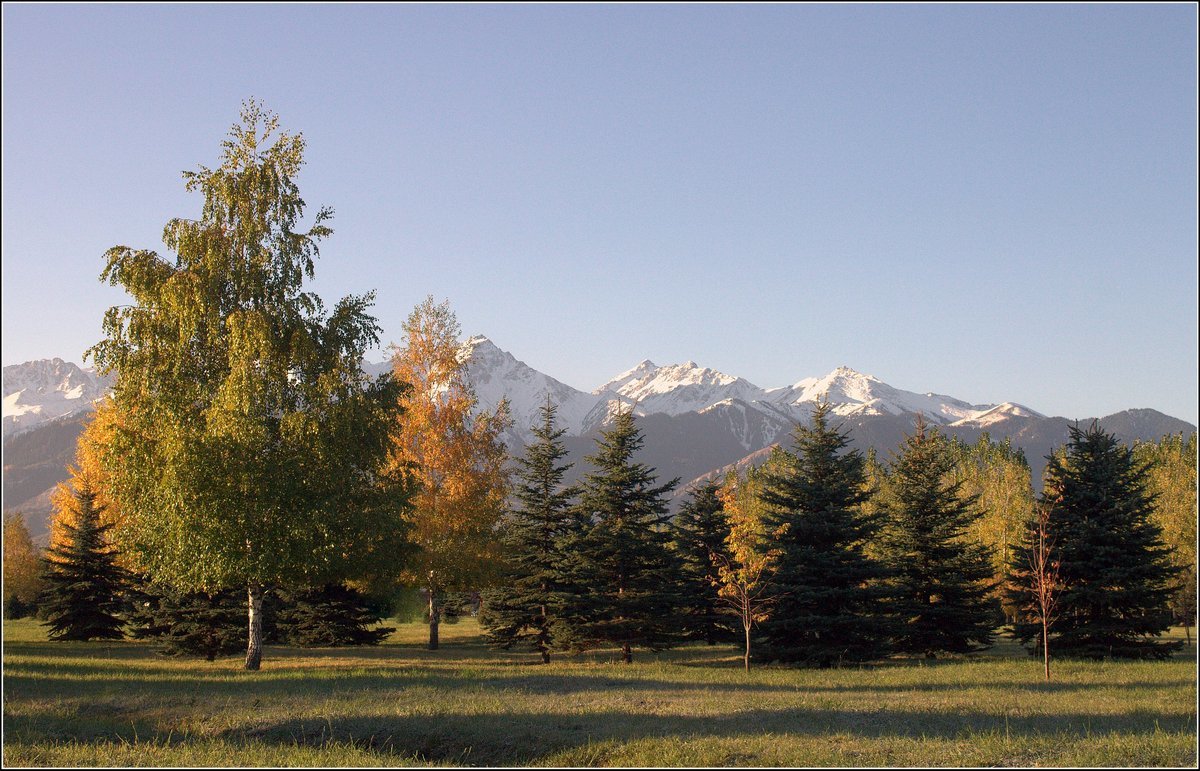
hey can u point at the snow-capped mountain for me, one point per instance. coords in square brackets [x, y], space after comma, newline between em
[496, 374]
[755, 414]
[853, 393]
[42, 390]
[998, 414]
[695, 420]
[39, 391]
[676, 388]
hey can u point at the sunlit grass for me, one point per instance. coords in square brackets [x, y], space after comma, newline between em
[118, 704]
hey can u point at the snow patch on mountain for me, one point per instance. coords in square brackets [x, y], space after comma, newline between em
[678, 388]
[997, 414]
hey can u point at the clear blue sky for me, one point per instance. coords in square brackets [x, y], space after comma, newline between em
[996, 202]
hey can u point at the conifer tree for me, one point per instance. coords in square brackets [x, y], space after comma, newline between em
[941, 577]
[622, 567]
[523, 605]
[1115, 571]
[84, 584]
[828, 611]
[201, 624]
[196, 623]
[698, 532]
[330, 616]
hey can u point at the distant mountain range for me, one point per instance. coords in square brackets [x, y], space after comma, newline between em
[696, 420]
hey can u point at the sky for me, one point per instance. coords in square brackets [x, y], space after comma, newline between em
[992, 202]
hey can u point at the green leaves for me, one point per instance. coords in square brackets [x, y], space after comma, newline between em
[252, 447]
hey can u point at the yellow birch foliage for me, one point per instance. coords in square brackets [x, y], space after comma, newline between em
[743, 577]
[1172, 466]
[457, 460]
[998, 477]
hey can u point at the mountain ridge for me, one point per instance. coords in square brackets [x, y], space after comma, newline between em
[696, 420]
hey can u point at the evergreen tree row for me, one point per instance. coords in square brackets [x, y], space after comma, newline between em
[861, 563]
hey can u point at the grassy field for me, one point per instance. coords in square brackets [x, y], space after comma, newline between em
[118, 704]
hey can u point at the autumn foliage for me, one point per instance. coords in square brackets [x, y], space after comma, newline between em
[454, 457]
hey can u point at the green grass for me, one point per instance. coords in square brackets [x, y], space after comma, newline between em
[118, 704]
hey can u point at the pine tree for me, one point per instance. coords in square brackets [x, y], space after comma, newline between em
[84, 584]
[830, 589]
[330, 616]
[942, 578]
[697, 533]
[1115, 571]
[622, 566]
[522, 607]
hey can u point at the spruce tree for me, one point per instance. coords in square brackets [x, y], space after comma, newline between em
[522, 607]
[330, 616]
[83, 595]
[697, 533]
[941, 578]
[622, 568]
[203, 624]
[829, 590]
[1115, 571]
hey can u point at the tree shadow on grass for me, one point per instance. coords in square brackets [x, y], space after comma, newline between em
[511, 738]
[84, 671]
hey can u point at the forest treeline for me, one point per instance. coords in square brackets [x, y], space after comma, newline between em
[247, 483]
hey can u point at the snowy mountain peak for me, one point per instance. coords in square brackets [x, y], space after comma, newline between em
[496, 374]
[42, 390]
[643, 368]
[853, 393]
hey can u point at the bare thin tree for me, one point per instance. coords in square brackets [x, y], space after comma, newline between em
[1044, 581]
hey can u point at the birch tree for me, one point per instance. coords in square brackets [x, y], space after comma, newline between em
[249, 447]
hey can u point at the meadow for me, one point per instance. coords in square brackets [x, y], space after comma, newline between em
[119, 704]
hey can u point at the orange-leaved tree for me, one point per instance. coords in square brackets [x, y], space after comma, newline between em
[88, 472]
[455, 457]
[744, 572]
[22, 568]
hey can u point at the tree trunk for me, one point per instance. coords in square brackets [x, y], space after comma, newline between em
[1046, 646]
[544, 642]
[626, 653]
[254, 645]
[746, 658]
[435, 617]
